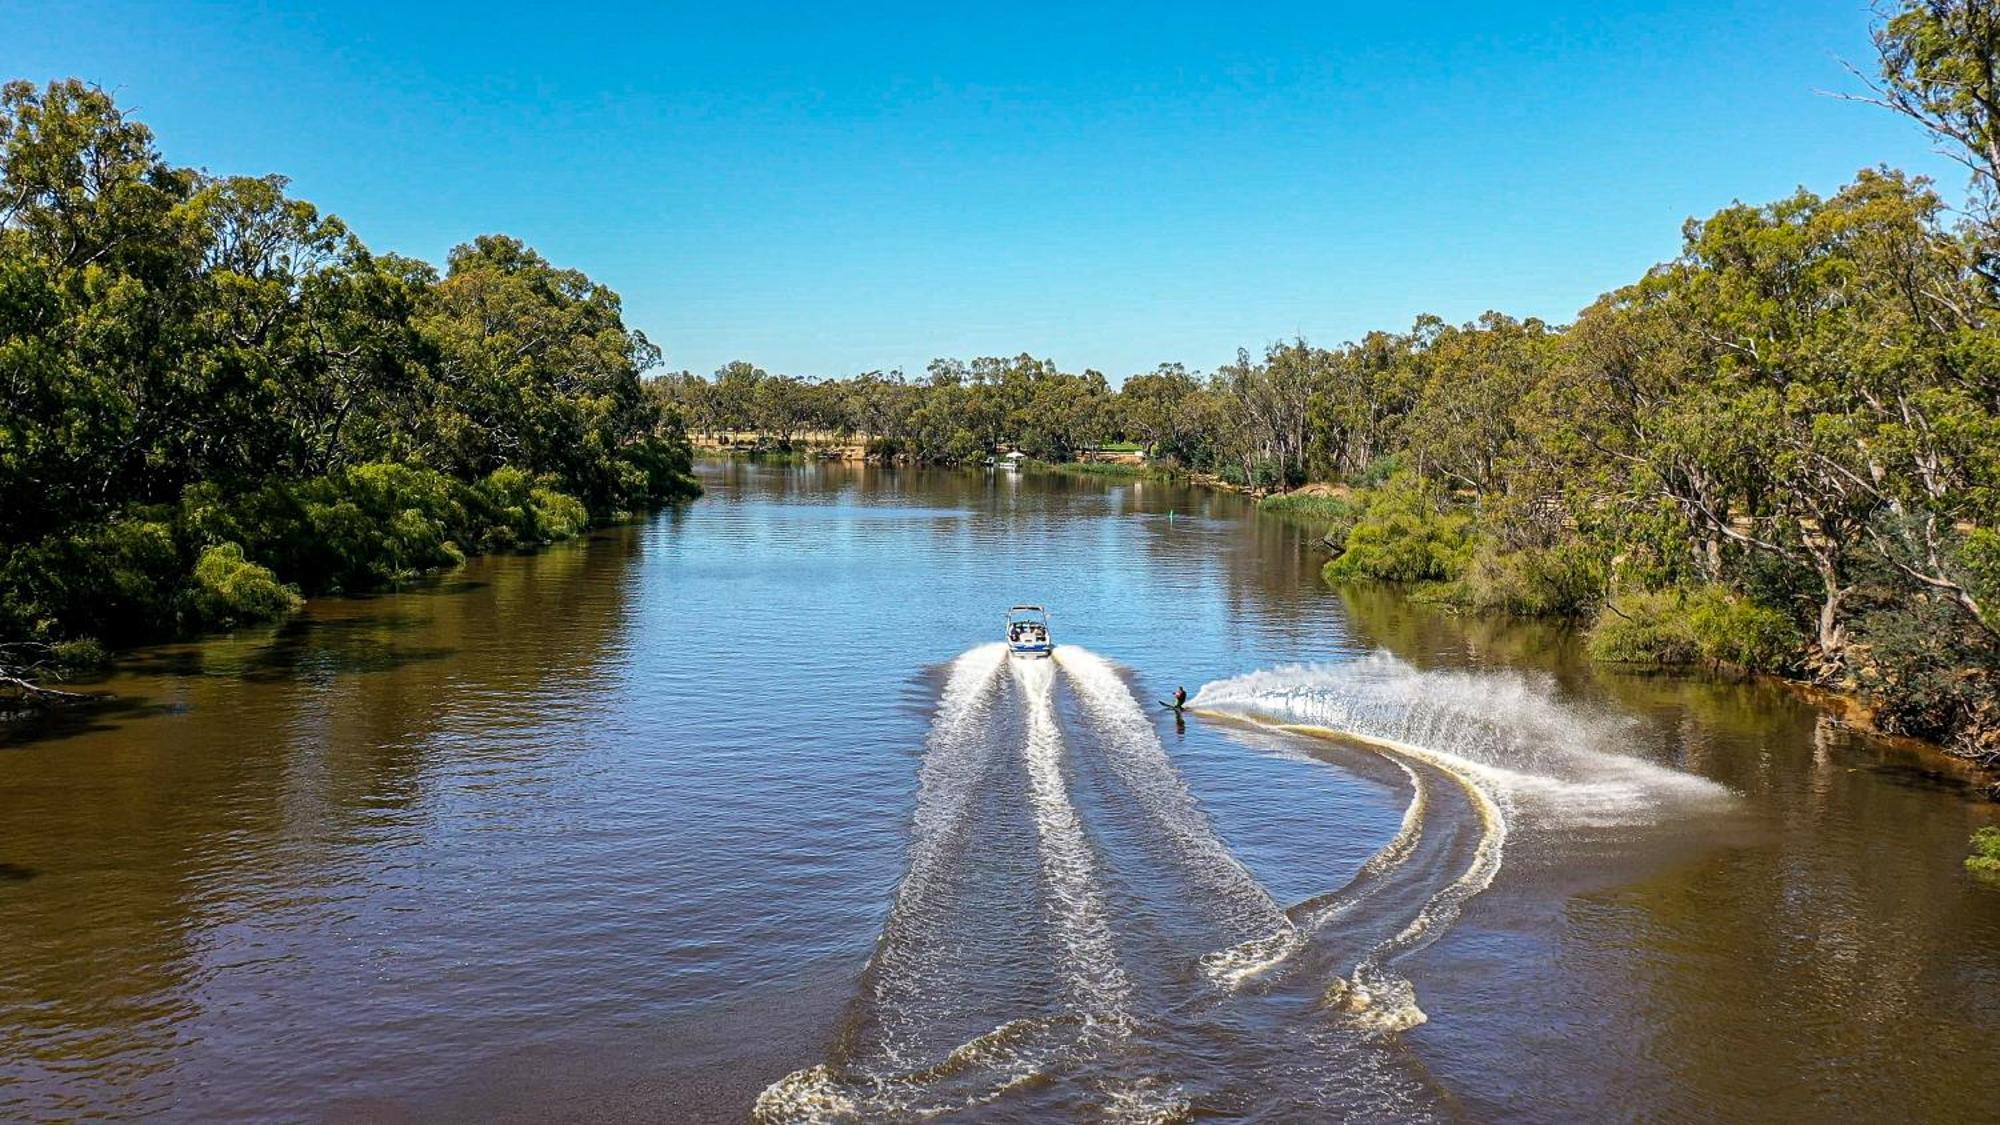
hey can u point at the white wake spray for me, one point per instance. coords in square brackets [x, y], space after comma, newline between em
[1502, 738]
[1098, 987]
[1140, 762]
[956, 756]
[909, 974]
[1506, 729]
[1095, 980]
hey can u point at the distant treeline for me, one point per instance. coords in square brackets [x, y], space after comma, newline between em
[1779, 451]
[215, 398]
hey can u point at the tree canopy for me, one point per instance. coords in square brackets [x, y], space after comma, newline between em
[209, 385]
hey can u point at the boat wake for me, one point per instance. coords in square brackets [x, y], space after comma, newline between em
[1506, 731]
[1019, 962]
[1503, 748]
[1223, 887]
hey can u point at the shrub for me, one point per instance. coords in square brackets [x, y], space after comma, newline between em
[1377, 472]
[1647, 627]
[1338, 513]
[1405, 535]
[1985, 857]
[1732, 629]
[654, 470]
[1709, 623]
[374, 524]
[1268, 473]
[116, 580]
[559, 516]
[231, 590]
[1561, 581]
[1929, 671]
[81, 655]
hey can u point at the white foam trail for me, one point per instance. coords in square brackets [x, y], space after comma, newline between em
[1384, 1000]
[956, 754]
[1004, 1058]
[1098, 987]
[1095, 981]
[1502, 738]
[909, 959]
[1141, 763]
[1507, 729]
[1316, 913]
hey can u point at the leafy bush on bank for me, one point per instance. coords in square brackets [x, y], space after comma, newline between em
[1708, 624]
[1930, 675]
[1985, 857]
[1335, 513]
[1565, 580]
[1405, 534]
[230, 589]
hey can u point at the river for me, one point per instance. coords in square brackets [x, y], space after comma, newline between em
[741, 810]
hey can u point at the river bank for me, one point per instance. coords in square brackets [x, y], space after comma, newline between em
[375, 528]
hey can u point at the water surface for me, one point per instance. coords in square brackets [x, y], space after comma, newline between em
[734, 804]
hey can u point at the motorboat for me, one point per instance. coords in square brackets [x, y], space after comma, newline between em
[1028, 631]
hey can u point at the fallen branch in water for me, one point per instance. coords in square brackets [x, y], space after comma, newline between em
[23, 665]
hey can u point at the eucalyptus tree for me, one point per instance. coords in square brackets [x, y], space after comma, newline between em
[538, 370]
[1464, 422]
[1938, 64]
[1806, 382]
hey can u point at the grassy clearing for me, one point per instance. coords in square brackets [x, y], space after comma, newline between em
[1105, 469]
[1322, 509]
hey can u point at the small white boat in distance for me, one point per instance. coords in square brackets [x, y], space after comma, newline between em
[1028, 631]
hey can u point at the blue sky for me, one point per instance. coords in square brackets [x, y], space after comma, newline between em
[826, 189]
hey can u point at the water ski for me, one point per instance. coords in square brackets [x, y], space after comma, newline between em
[1173, 706]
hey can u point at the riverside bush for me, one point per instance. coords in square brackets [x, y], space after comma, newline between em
[1667, 628]
[231, 590]
[1560, 581]
[1405, 535]
[219, 559]
[113, 580]
[1338, 513]
[1735, 630]
[1985, 857]
[1929, 672]
[1647, 627]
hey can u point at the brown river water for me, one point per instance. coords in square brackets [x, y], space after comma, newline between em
[742, 812]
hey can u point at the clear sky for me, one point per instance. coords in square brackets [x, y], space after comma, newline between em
[824, 189]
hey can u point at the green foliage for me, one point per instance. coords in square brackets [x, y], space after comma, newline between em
[1328, 510]
[197, 372]
[1648, 628]
[1565, 580]
[83, 655]
[1985, 857]
[1736, 631]
[1931, 674]
[1407, 533]
[1708, 624]
[117, 580]
[231, 590]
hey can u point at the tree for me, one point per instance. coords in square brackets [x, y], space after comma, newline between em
[540, 368]
[1939, 62]
[1806, 383]
[1464, 422]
